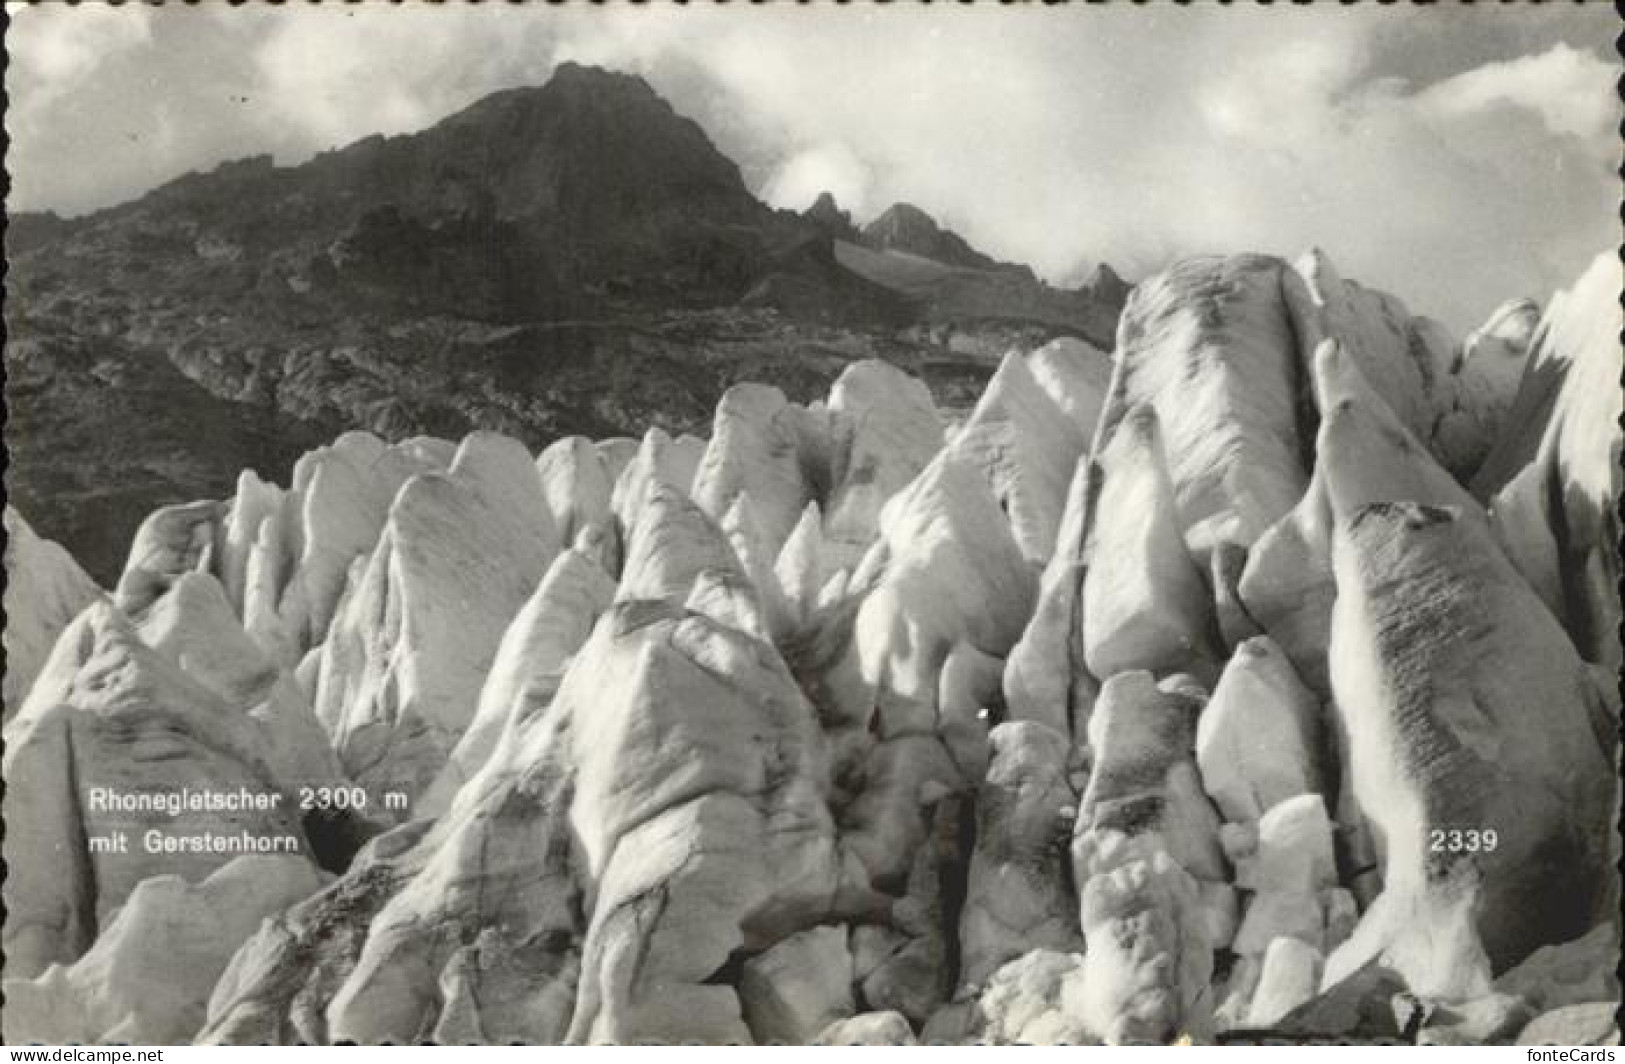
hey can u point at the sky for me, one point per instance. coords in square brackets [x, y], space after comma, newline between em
[1456, 156]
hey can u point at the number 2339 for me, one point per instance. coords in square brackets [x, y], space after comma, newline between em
[1463, 840]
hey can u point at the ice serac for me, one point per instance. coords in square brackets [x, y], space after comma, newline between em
[112, 716]
[1476, 397]
[528, 667]
[275, 988]
[804, 566]
[1403, 356]
[344, 494]
[671, 546]
[698, 806]
[1285, 866]
[659, 460]
[1145, 605]
[1258, 741]
[1287, 586]
[898, 786]
[1046, 677]
[1467, 710]
[171, 542]
[255, 503]
[763, 445]
[284, 557]
[1077, 375]
[1018, 895]
[1149, 960]
[1038, 998]
[1026, 446]
[756, 563]
[953, 573]
[400, 673]
[915, 977]
[193, 626]
[1290, 976]
[1211, 344]
[617, 453]
[1364, 452]
[731, 601]
[798, 988]
[967, 694]
[1144, 777]
[45, 591]
[1225, 569]
[894, 432]
[1554, 479]
[1144, 842]
[148, 977]
[576, 483]
[868, 1029]
[255, 563]
[617, 849]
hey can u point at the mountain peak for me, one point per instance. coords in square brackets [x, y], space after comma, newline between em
[602, 126]
[906, 214]
[1105, 286]
[905, 227]
[571, 85]
[829, 218]
[596, 77]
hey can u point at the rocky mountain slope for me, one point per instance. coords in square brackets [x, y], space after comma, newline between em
[1253, 677]
[904, 227]
[519, 267]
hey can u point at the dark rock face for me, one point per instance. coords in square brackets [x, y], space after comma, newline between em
[1107, 288]
[808, 284]
[827, 215]
[570, 258]
[98, 437]
[904, 227]
[561, 170]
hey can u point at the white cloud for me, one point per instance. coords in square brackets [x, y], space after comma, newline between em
[1573, 92]
[1481, 186]
[55, 49]
[338, 74]
[1284, 95]
[831, 168]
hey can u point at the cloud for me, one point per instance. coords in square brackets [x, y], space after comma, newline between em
[336, 74]
[1455, 161]
[1572, 91]
[831, 168]
[54, 50]
[1487, 184]
[58, 57]
[1285, 96]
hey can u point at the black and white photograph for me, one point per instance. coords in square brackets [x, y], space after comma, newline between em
[812, 524]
